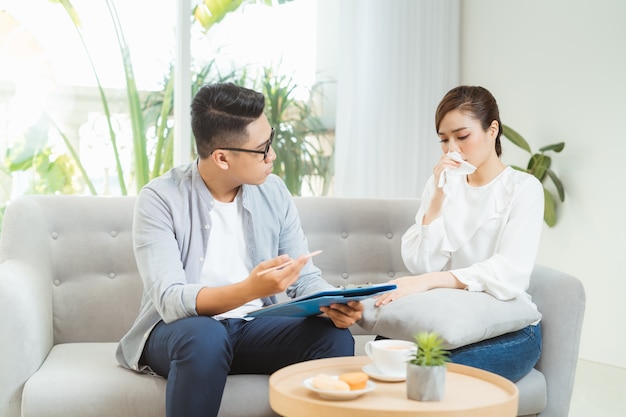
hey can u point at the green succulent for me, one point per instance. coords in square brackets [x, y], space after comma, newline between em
[430, 351]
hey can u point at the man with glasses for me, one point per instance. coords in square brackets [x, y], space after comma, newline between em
[202, 234]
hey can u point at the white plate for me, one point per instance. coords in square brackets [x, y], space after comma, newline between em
[339, 395]
[373, 372]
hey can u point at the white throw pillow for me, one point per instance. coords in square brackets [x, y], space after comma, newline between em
[460, 317]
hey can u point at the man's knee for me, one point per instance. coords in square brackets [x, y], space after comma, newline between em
[333, 341]
[202, 341]
[344, 343]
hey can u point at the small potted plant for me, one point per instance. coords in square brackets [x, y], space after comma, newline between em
[426, 370]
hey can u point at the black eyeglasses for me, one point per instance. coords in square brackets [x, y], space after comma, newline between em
[265, 151]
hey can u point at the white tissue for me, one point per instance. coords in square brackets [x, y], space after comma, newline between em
[465, 169]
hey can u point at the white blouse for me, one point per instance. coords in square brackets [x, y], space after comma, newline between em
[486, 236]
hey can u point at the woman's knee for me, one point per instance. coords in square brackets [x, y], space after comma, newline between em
[511, 355]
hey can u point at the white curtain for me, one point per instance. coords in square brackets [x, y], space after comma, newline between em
[396, 60]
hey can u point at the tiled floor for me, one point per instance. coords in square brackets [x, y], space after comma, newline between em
[599, 391]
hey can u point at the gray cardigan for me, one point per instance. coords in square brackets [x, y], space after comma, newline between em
[171, 227]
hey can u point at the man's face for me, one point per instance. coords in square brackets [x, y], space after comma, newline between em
[253, 168]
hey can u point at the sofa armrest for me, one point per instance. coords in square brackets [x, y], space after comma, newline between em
[560, 298]
[25, 329]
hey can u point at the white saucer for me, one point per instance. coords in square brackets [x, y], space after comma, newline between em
[339, 395]
[373, 372]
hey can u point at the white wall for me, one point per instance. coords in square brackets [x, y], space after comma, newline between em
[558, 71]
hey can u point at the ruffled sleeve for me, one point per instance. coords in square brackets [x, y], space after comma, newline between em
[421, 244]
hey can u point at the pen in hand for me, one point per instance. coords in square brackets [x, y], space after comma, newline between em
[307, 256]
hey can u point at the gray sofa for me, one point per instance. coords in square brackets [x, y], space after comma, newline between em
[69, 289]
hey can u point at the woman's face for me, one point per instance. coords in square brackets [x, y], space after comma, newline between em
[460, 132]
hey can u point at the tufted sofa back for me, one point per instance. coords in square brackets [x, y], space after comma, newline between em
[82, 245]
[68, 274]
[360, 237]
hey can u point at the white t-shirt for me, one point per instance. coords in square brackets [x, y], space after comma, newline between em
[227, 261]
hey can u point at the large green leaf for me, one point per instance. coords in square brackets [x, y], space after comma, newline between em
[142, 171]
[538, 165]
[161, 127]
[77, 160]
[557, 184]
[71, 11]
[210, 12]
[22, 156]
[516, 138]
[556, 147]
[54, 175]
[549, 211]
[73, 14]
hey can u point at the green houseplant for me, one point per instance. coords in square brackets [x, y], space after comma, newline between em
[426, 370]
[161, 154]
[539, 166]
[301, 142]
[300, 139]
[303, 150]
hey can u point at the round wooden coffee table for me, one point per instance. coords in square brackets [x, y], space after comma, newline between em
[469, 392]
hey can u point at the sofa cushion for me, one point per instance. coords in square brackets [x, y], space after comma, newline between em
[532, 393]
[64, 387]
[460, 317]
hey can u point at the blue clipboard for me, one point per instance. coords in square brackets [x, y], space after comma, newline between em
[309, 305]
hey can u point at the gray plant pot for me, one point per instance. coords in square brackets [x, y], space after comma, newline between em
[425, 383]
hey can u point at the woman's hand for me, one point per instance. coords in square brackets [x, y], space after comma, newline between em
[406, 285]
[419, 283]
[344, 315]
[444, 162]
[436, 201]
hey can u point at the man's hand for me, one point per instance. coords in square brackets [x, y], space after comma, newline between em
[265, 284]
[216, 300]
[344, 315]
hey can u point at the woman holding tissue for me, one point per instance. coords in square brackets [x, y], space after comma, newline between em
[477, 229]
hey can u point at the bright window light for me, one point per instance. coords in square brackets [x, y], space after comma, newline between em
[46, 71]
[282, 36]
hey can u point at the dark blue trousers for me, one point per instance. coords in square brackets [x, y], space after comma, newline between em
[196, 354]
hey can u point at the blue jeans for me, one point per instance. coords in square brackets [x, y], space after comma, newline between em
[196, 354]
[511, 355]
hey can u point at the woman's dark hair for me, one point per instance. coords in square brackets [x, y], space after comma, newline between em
[220, 114]
[478, 102]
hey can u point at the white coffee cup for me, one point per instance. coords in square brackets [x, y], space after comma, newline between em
[389, 355]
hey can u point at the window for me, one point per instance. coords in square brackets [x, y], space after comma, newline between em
[49, 99]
